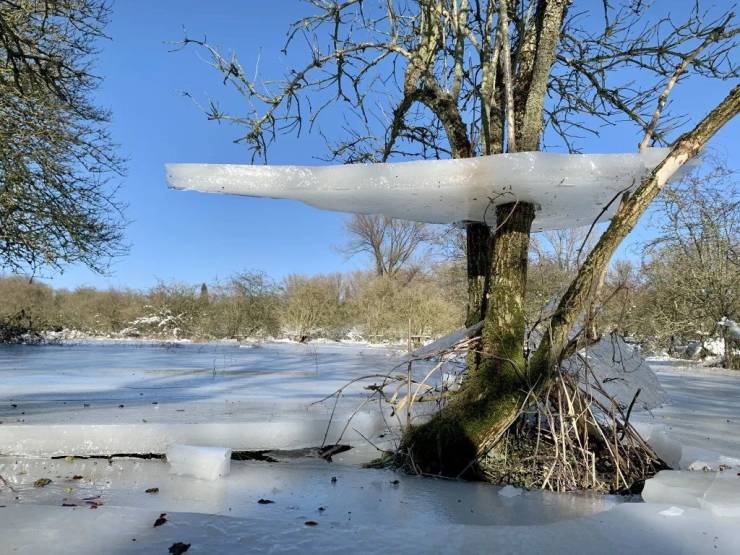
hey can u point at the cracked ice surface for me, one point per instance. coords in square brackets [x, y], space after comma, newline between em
[570, 190]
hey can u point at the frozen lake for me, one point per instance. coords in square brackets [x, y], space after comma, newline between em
[104, 398]
[123, 397]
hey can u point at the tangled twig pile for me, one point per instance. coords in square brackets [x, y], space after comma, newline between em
[571, 435]
[569, 439]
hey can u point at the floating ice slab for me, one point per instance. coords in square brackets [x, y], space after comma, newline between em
[570, 190]
[723, 495]
[677, 487]
[718, 492]
[206, 463]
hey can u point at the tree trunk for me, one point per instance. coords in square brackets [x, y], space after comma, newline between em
[732, 353]
[504, 326]
[478, 237]
[494, 387]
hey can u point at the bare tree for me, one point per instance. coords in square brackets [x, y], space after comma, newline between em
[691, 270]
[55, 153]
[460, 78]
[390, 242]
[563, 246]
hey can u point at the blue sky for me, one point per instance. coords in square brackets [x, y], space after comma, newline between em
[191, 237]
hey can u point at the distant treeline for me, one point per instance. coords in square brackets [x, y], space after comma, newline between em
[250, 304]
[677, 294]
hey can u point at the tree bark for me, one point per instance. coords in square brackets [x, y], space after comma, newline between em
[504, 325]
[478, 237]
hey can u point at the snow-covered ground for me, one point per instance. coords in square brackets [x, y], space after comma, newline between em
[98, 398]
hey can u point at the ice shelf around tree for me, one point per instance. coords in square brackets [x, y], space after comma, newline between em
[569, 190]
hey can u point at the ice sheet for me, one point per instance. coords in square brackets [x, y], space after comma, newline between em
[362, 511]
[700, 420]
[298, 486]
[95, 399]
[570, 190]
[628, 528]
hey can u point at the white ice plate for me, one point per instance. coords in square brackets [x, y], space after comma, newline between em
[569, 190]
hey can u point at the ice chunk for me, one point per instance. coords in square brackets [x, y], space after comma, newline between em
[681, 456]
[620, 370]
[570, 190]
[718, 492]
[207, 463]
[445, 342]
[672, 511]
[677, 487]
[509, 491]
[723, 495]
[666, 448]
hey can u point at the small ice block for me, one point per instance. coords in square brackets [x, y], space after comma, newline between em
[206, 463]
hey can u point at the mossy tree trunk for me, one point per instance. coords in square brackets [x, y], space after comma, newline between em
[496, 383]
